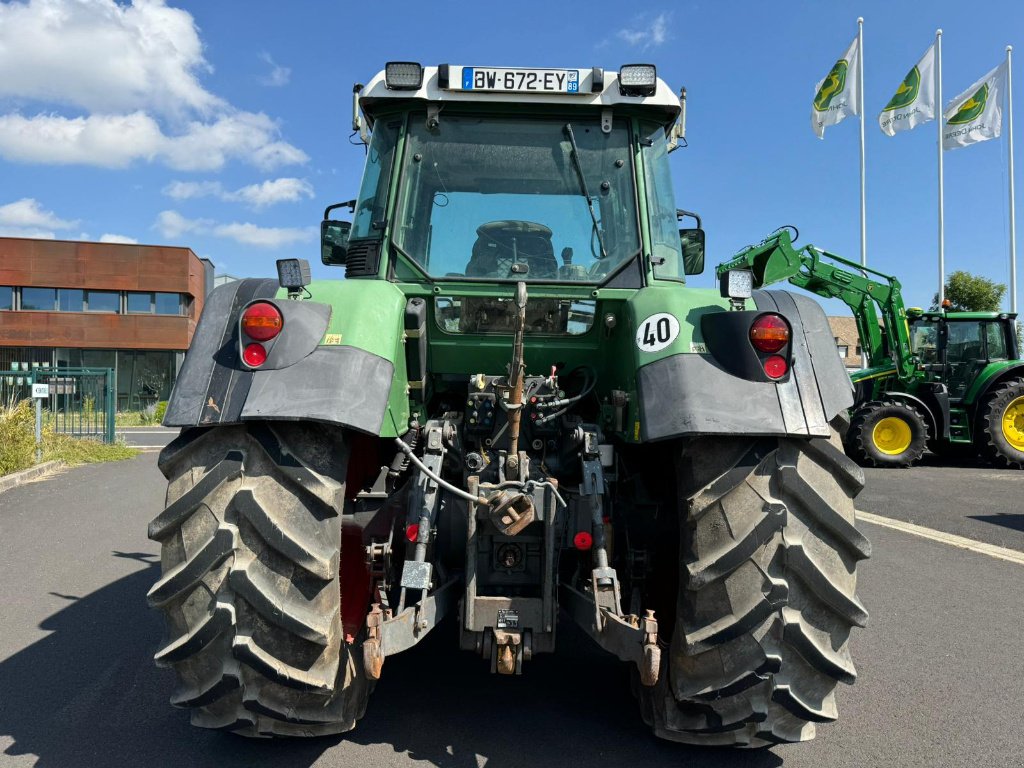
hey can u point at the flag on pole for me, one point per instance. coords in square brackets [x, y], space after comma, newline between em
[914, 101]
[977, 113]
[838, 95]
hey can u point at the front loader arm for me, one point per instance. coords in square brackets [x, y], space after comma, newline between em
[775, 260]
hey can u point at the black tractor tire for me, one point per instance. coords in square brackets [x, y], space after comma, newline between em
[1004, 402]
[766, 596]
[250, 591]
[868, 424]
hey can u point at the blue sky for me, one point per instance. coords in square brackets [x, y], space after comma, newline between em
[224, 126]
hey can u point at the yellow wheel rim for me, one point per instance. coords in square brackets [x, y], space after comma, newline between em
[892, 435]
[1013, 423]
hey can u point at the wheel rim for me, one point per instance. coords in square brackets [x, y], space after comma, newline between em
[1013, 423]
[892, 435]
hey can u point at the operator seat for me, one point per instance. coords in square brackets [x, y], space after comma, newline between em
[500, 244]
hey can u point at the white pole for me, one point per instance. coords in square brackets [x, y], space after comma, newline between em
[1013, 216]
[940, 122]
[863, 174]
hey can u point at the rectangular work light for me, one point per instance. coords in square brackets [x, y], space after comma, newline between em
[638, 80]
[403, 75]
[293, 273]
[737, 284]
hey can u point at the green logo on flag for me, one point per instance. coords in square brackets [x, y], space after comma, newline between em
[971, 108]
[906, 94]
[831, 86]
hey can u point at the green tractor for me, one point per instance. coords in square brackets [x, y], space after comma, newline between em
[511, 407]
[949, 381]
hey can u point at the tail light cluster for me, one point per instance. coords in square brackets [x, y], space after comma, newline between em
[769, 335]
[261, 322]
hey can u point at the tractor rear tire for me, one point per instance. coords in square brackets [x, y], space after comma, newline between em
[887, 433]
[1002, 425]
[250, 592]
[766, 595]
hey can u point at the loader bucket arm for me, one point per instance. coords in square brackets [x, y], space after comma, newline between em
[870, 295]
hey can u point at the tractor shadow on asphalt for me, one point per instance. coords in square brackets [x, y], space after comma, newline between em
[88, 694]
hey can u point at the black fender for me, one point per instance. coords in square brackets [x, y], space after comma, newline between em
[301, 379]
[713, 394]
[937, 417]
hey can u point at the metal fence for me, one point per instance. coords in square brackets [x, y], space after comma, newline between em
[81, 401]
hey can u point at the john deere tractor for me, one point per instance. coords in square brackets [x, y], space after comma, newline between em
[949, 381]
[511, 408]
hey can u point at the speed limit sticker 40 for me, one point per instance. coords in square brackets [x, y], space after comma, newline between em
[657, 332]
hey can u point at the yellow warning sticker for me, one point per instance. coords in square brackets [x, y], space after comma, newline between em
[332, 339]
[636, 431]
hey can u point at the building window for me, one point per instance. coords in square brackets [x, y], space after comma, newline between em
[844, 350]
[70, 299]
[102, 301]
[859, 353]
[6, 297]
[168, 304]
[140, 302]
[42, 299]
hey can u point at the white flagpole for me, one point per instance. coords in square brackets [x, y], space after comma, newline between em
[863, 174]
[1013, 216]
[940, 121]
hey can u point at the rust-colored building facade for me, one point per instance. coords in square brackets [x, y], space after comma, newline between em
[132, 308]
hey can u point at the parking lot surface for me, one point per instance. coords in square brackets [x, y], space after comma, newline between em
[940, 672]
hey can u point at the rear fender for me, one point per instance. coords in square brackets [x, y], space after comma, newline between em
[707, 393]
[324, 366]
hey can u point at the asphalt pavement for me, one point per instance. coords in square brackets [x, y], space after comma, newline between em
[941, 673]
[147, 438]
[969, 499]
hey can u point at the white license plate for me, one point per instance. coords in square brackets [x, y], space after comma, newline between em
[520, 80]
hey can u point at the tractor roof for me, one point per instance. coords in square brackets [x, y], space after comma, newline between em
[595, 87]
[954, 316]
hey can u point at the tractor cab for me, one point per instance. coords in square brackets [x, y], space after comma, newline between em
[500, 175]
[956, 348]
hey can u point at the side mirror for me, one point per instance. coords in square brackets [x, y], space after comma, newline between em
[334, 241]
[692, 242]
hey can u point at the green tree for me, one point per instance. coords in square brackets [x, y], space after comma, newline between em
[972, 293]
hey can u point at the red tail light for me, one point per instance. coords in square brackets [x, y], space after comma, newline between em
[775, 367]
[254, 355]
[262, 321]
[769, 333]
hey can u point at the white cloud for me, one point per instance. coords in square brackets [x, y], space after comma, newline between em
[27, 214]
[647, 32]
[269, 192]
[34, 234]
[134, 70]
[186, 190]
[123, 239]
[173, 225]
[265, 237]
[116, 141]
[278, 75]
[103, 57]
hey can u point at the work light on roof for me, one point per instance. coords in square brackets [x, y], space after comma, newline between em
[638, 80]
[403, 75]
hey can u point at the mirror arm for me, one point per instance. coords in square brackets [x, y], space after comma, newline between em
[681, 214]
[350, 204]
